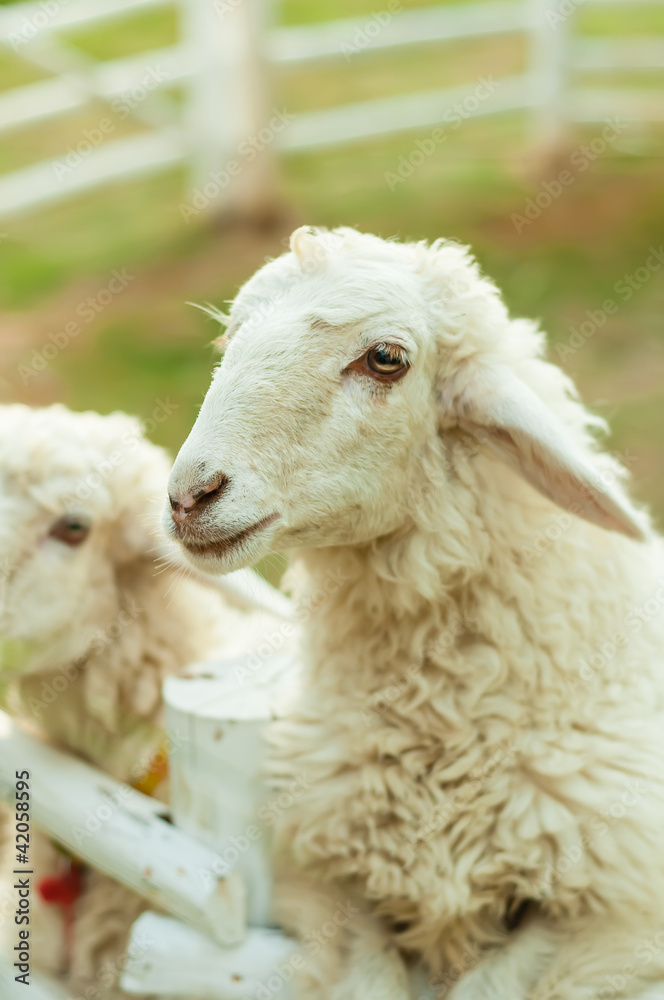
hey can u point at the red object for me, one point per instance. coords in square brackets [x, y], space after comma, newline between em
[61, 890]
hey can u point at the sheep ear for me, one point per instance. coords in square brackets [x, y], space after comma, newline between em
[506, 415]
[309, 249]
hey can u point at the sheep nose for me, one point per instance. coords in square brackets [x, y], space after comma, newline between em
[188, 504]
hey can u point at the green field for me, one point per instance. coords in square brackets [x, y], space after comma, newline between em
[592, 244]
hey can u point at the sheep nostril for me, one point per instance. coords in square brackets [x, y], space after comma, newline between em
[191, 502]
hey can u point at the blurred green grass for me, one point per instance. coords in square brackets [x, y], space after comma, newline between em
[148, 345]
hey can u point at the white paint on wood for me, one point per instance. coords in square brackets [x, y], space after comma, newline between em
[624, 3]
[66, 15]
[114, 161]
[338, 39]
[601, 104]
[364, 119]
[226, 58]
[168, 958]
[165, 957]
[550, 72]
[228, 105]
[626, 53]
[120, 832]
[51, 98]
[217, 785]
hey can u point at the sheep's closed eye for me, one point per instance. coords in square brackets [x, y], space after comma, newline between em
[383, 362]
[70, 529]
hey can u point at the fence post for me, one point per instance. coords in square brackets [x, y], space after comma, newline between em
[233, 165]
[549, 70]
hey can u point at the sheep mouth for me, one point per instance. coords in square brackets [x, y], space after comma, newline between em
[221, 545]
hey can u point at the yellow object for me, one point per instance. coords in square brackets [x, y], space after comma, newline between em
[155, 773]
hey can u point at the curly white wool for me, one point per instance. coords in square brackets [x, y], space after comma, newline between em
[521, 758]
[93, 629]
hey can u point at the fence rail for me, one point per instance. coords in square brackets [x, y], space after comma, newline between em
[122, 833]
[223, 61]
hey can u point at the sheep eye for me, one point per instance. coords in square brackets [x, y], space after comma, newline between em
[71, 530]
[383, 363]
[385, 360]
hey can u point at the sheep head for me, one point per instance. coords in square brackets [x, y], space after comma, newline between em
[76, 496]
[352, 366]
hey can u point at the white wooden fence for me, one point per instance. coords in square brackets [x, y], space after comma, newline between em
[224, 58]
[207, 871]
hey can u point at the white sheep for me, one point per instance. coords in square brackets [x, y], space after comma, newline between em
[482, 723]
[90, 626]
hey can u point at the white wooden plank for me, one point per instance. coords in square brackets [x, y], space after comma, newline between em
[598, 104]
[133, 157]
[58, 96]
[626, 53]
[228, 103]
[172, 960]
[627, 4]
[67, 15]
[45, 99]
[249, 688]
[167, 958]
[339, 38]
[216, 778]
[121, 833]
[364, 119]
[549, 74]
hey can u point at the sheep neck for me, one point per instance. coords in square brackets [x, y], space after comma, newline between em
[371, 612]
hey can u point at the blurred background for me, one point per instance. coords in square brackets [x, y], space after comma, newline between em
[153, 154]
